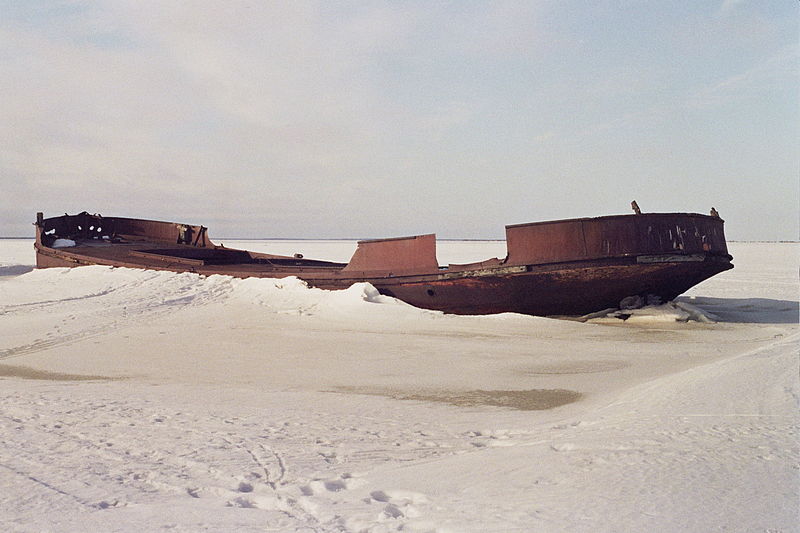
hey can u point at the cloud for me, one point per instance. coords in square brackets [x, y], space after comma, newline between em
[770, 74]
[179, 90]
[729, 6]
[332, 119]
[197, 95]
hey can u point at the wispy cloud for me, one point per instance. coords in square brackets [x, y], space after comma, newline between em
[779, 70]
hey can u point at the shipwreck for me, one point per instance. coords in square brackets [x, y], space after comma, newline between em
[562, 267]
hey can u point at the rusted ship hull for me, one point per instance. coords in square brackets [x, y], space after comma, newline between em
[565, 267]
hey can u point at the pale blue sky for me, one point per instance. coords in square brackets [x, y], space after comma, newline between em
[369, 119]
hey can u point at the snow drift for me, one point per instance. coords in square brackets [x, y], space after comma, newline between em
[138, 400]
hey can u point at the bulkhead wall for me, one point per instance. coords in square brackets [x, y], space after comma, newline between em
[87, 226]
[614, 236]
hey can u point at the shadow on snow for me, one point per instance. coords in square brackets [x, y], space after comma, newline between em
[748, 310]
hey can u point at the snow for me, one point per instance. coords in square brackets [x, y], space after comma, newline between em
[136, 400]
[668, 312]
[63, 243]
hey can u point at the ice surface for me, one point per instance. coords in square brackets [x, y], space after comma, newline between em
[138, 401]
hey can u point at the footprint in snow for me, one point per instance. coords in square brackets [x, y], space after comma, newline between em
[400, 503]
[338, 484]
[399, 497]
[261, 501]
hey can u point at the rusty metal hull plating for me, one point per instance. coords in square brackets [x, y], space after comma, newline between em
[566, 267]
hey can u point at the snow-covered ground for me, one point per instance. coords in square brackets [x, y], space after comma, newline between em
[140, 401]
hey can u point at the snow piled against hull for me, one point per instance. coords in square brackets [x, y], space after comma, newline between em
[138, 400]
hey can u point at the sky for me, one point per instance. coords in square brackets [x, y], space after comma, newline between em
[317, 119]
